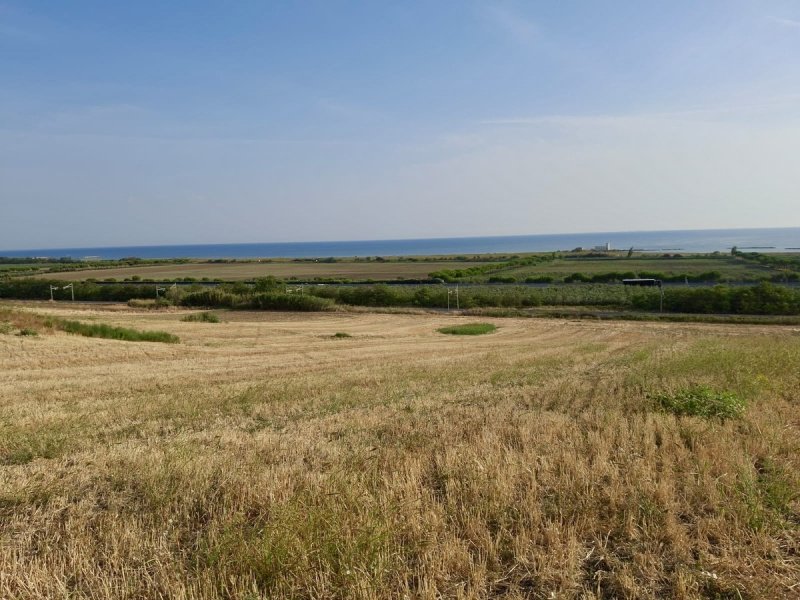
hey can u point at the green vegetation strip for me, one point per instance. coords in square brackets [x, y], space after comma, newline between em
[116, 333]
[203, 317]
[469, 329]
[31, 324]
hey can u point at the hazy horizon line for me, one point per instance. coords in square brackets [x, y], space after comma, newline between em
[404, 239]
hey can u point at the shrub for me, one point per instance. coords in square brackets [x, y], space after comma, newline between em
[701, 401]
[341, 334]
[468, 329]
[292, 302]
[267, 284]
[149, 303]
[203, 317]
[25, 331]
[213, 297]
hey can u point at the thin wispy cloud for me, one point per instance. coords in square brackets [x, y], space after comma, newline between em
[766, 105]
[511, 23]
[784, 22]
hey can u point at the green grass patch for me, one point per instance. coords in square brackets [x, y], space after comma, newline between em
[203, 317]
[117, 333]
[27, 331]
[341, 334]
[702, 401]
[468, 329]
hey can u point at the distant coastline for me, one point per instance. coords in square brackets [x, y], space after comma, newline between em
[722, 240]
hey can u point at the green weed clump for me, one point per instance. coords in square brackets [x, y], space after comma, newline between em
[117, 333]
[468, 329]
[341, 334]
[27, 331]
[702, 401]
[203, 317]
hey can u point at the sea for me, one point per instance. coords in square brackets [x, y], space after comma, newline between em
[785, 239]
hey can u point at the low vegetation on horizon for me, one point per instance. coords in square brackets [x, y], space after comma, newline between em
[547, 267]
[561, 459]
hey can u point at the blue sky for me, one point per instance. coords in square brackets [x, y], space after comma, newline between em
[179, 122]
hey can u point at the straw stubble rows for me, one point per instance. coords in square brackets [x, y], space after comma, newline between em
[262, 457]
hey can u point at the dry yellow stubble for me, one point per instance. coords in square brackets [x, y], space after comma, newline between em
[262, 458]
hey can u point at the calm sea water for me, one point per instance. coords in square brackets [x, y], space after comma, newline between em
[761, 240]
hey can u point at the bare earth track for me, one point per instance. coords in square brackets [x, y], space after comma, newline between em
[262, 458]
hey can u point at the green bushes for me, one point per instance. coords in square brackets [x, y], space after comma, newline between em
[468, 329]
[116, 333]
[701, 401]
[292, 302]
[39, 289]
[203, 317]
[762, 299]
[213, 297]
[149, 303]
[218, 298]
[501, 296]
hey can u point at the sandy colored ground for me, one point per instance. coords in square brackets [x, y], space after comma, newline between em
[262, 458]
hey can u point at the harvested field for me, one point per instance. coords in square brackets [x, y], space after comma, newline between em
[264, 458]
[729, 267]
[250, 270]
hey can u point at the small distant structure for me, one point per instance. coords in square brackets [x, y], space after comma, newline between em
[642, 282]
[603, 247]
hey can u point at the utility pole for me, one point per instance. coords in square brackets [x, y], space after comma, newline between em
[71, 289]
[52, 287]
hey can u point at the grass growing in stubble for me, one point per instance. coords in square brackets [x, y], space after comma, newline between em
[203, 317]
[701, 401]
[273, 464]
[31, 324]
[468, 329]
[102, 330]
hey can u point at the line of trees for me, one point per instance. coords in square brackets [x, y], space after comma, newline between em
[762, 299]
